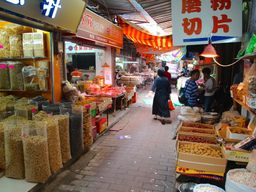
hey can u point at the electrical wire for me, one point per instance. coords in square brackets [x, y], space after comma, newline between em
[229, 65]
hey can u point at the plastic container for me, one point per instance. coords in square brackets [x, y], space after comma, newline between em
[36, 154]
[2, 151]
[16, 77]
[207, 187]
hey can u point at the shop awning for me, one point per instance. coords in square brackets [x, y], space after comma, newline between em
[139, 37]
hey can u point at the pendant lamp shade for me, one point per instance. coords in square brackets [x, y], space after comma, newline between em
[209, 51]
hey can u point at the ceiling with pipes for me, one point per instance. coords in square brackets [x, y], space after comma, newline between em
[150, 16]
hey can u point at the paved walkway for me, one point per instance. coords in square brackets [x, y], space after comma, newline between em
[136, 155]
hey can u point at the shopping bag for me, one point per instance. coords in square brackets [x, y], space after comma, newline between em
[170, 104]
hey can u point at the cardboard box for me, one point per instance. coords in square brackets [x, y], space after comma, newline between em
[222, 133]
[198, 162]
[232, 154]
[206, 132]
[231, 133]
[197, 125]
[195, 137]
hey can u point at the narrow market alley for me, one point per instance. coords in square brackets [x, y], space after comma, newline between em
[136, 154]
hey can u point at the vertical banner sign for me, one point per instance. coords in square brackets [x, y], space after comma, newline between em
[195, 21]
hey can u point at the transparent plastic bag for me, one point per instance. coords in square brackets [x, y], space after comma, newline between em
[14, 158]
[54, 144]
[36, 155]
[16, 77]
[63, 121]
[16, 46]
[2, 151]
[4, 76]
[251, 166]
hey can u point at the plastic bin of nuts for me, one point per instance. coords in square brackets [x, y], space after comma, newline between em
[36, 155]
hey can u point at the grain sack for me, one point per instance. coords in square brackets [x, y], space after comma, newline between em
[54, 144]
[16, 77]
[4, 75]
[2, 154]
[14, 159]
[63, 121]
[87, 129]
[36, 156]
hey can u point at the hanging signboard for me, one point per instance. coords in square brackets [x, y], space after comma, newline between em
[96, 28]
[194, 22]
[65, 14]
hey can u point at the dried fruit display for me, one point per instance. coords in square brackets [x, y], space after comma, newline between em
[200, 149]
[196, 130]
[37, 167]
[197, 125]
[63, 121]
[14, 158]
[2, 153]
[198, 139]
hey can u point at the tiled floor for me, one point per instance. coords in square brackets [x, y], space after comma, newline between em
[138, 154]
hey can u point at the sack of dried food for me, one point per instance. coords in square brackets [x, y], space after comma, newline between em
[63, 121]
[251, 166]
[14, 158]
[76, 131]
[4, 41]
[36, 155]
[16, 77]
[25, 110]
[4, 75]
[2, 154]
[54, 144]
[16, 46]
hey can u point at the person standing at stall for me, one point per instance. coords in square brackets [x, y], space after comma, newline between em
[191, 89]
[209, 88]
[162, 90]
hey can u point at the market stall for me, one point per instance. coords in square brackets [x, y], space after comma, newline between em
[29, 69]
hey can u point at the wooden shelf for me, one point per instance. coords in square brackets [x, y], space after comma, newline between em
[245, 106]
[22, 59]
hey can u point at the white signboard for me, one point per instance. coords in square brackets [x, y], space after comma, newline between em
[195, 21]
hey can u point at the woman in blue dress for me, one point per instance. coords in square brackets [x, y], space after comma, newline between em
[162, 90]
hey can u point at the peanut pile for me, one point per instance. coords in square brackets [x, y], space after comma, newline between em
[200, 149]
[37, 167]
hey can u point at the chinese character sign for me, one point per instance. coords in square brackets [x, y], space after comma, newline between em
[195, 21]
[50, 8]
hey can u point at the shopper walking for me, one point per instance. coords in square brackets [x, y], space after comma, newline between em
[191, 89]
[162, 91]
[209, 88]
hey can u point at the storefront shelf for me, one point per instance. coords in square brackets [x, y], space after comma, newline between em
[22, 59]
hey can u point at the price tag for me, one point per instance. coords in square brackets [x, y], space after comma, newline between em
[3, 66]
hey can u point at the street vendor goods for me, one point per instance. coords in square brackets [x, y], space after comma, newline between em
[239, 180]
[200, 149]
[207, 188]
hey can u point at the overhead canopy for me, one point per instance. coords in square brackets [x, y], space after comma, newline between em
[139, 37]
